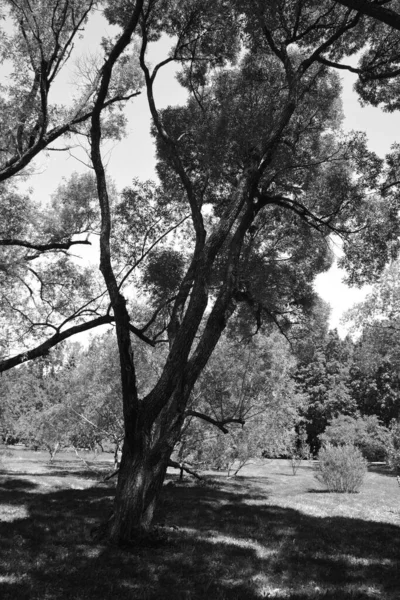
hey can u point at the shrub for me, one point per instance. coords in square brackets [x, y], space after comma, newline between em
[373, 439]
[366, 433]
[393, 447]
[341, 468]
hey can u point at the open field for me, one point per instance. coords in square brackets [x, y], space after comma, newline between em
[266, 534]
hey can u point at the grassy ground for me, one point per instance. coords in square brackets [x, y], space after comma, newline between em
[266, 534]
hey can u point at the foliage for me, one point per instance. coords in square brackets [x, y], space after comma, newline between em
[251, 382]
[298, 449]
[393, 447]
[35, 407]
[323, 376]
[341, 468]
[364, 432]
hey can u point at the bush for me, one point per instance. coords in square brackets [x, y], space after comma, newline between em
[341, 468]
[393, 448]
[366, 433]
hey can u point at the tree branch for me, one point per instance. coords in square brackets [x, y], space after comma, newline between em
[43, 247]
[220, 424]
[42, 349]
[181, 467]
[374, 10]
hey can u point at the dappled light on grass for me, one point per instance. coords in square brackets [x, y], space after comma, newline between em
[239, 539]
[10, 513]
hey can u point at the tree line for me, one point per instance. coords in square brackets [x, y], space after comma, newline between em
[259, 396]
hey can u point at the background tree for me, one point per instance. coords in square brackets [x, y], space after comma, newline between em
[374, 373]
[324, 378]
[366, 433]
[35, 407]
[246, 402]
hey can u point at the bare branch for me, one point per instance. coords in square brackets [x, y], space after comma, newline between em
[43, 247]
[42, 349]
[182, 467]
[220, 424]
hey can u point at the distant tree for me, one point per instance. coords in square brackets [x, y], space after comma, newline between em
[324, 380]
[249, 391]
[393, 447]
[366, 433]
[35, 403]
[375, 379]
[298, 448]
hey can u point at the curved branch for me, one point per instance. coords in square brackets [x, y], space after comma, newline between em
[42, 349]
[19, 162]
[176, 160]
[43, 247]
[181, 467]
[220, 424]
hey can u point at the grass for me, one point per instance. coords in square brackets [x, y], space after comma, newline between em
[266, 534]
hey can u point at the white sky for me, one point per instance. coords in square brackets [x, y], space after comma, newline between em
[382, 131]
[134, 155]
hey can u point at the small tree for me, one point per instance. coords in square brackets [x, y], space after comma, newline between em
[53, 427]
[298, 449]
[341, 468]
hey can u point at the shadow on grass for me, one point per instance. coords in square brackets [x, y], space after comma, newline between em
[381, 469]
[96, 472]
[16, 485]
[218, 542]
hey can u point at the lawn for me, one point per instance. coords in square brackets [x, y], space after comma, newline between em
[266, 534]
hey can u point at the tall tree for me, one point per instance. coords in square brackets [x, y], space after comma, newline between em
[253, 144]
[257, 161]
[375, 370]
[324, 378]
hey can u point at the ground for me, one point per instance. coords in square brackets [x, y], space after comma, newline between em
[265, 534]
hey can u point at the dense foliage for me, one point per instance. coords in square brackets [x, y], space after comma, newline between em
[341, 468]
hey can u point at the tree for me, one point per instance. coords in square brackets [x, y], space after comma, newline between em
[35, 268]
[325, 381]
[374, 373]
[35, 403]
[366, 433]
[246, 402]
[254, 160]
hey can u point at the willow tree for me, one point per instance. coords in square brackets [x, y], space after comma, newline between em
[256, 163]
[257, 159]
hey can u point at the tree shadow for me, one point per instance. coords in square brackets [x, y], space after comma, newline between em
[381, 469]
[49, 470]
[221, 541]
[16, 485]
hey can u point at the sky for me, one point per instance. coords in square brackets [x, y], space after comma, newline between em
[382, 131]
[134, 155]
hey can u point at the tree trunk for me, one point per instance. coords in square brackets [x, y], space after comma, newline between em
[139, 485]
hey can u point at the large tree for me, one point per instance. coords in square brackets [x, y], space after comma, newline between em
[256, 163]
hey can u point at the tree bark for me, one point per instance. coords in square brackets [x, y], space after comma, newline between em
[374, 10]
[140, 482]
